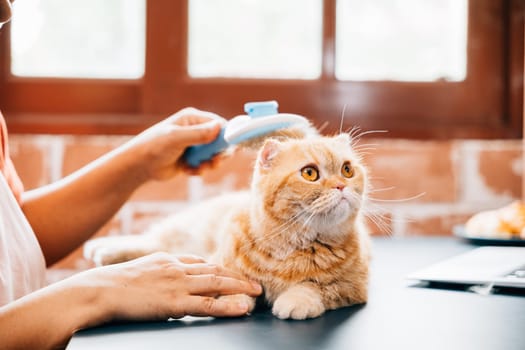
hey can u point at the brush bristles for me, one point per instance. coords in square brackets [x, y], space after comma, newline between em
[292, 132]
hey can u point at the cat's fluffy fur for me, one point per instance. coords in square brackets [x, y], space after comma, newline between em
[304, 240]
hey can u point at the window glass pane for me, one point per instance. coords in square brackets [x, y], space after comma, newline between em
[255, 38]
[78, 38]
[403, 40]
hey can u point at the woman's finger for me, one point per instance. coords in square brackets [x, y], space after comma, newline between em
[203, 117]
[192, 116]
[212, 269]
[208, 306]
[190, 259]
[220, 285]
[195, 134]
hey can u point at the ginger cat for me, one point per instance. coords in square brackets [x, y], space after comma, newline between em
[299, 231]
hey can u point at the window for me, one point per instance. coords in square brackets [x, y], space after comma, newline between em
[432, 68]
[265, 39]
[401, 40]
[113, 48]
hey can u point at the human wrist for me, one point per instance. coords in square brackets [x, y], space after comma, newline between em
[89, 298]
[131, 162]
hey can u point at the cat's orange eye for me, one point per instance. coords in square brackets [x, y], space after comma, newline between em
[310, 173]
[347, 170]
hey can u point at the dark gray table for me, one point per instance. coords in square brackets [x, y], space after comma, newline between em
[399, 315]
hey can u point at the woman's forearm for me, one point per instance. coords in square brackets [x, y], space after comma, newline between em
[64, 214]
[48, 318]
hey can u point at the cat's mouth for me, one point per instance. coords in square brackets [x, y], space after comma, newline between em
[332, 209]
[339, 208]
[343, 199]
[343, 202]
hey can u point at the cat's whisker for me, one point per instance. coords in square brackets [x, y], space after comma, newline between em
[342, 119]
[353, 132]
[357, 146]
[381, 222]
[279, 231]
[323, 126]
[307, 221]
[377, 215]
[400, 199]
[372, 205]
[269, 236]
[362, 151]
[257, 241]
[372, 178]
[374, 190]
[361, 154]
[377, 210]
[291, 220]
[368, 132]
[316, 209]
[365, 151]
[364, 147]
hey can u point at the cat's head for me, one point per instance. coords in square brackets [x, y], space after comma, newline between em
[318, 182]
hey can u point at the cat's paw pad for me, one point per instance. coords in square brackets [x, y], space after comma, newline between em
[240, 298]
[298, 305]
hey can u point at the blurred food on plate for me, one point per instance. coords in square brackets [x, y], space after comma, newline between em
[507, 222]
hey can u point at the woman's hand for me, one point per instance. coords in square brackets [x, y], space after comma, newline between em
[160, 286]
[162, 145]
[155, 287]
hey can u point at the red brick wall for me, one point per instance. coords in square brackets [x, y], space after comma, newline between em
[420, 187]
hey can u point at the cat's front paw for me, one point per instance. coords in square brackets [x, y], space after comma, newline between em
[298, 303]
[240, 299]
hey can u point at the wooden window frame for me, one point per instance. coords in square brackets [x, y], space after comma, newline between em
[488, 104]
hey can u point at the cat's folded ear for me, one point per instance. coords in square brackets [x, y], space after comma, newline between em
[268, 152]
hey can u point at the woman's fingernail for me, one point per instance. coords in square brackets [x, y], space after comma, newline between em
[256, 286]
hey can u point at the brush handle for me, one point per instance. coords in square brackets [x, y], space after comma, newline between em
[195, 155]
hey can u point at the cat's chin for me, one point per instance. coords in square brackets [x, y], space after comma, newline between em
[335, 216]
[341, 211]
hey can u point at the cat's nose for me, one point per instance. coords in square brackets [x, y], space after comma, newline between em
[339, 186]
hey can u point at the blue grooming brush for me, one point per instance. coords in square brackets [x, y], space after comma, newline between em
[262, 118]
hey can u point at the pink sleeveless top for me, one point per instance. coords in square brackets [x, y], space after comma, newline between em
[22, 264]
